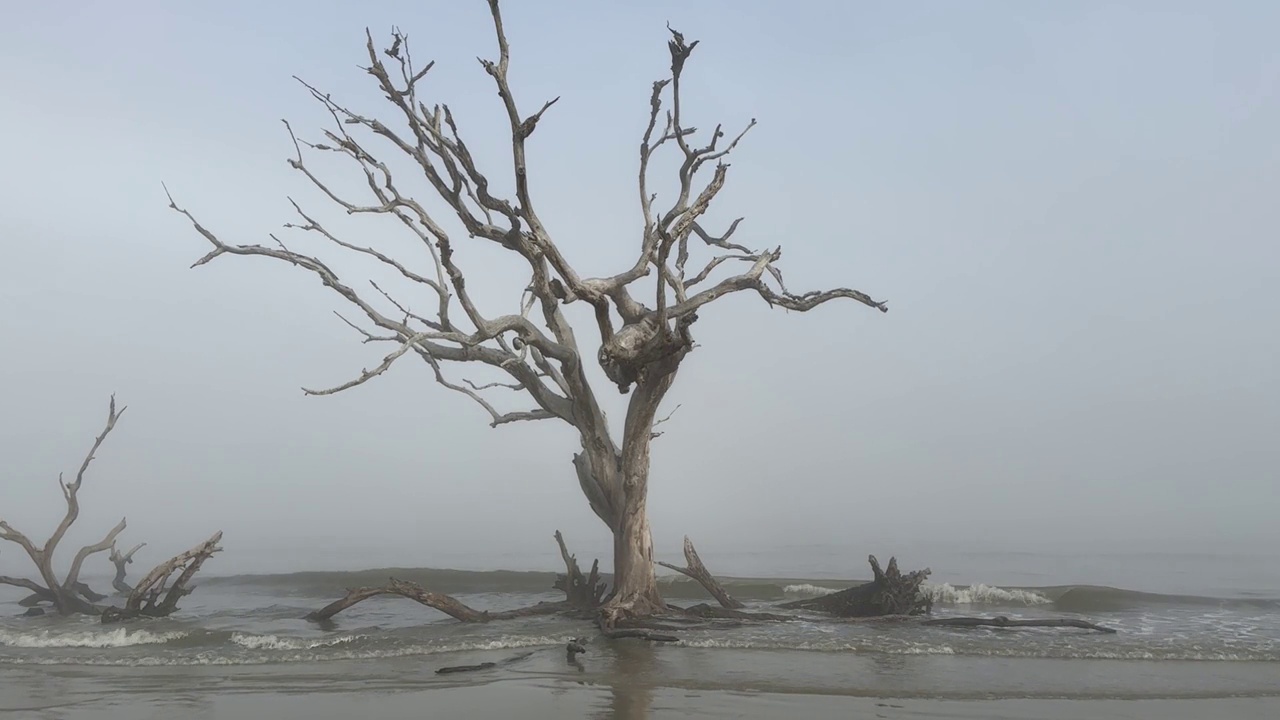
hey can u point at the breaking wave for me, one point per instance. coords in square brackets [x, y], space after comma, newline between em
[980, 594]
[313, 586]
[118, 638]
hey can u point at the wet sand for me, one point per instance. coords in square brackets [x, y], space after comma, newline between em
[631, 681]
[559, 700]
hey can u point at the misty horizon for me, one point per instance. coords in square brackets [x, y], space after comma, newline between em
[1069, 209]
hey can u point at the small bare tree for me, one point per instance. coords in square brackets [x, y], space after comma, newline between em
[641, 343]
[69, 595]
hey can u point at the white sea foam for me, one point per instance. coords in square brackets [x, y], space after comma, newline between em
[980, 594]
[120, 637]
[807, 589]
[275, 642]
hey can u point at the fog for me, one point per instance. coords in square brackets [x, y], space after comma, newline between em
[1071, 209]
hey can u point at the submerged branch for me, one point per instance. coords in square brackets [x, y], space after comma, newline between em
[1001, 621]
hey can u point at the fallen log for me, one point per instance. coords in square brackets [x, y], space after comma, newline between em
[446, 604]
[581, 593]
[1001, 621]
[482, 666]
[623, 633]
[890, 593]
[696, 570]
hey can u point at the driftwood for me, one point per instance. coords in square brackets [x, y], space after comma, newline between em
[482, 666]
[154, 595]
[580, 593]
[696, 570]
[446, 604]
[583, 593]
[1001, 621]
[120, 561]
[68, 595]
[890, 593]
[638, 633]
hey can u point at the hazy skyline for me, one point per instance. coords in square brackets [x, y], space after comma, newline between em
[1070, 208]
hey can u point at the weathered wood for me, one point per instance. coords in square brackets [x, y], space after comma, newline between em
[890, 593]
[638, 633]
[446, 604]
[1000, 621]
[696, 570]
[482, 666]
[121, 561]
[584, 593]
[69, 595]
[466, 668]
[154, 596]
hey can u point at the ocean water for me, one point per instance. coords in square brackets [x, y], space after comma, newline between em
[1189, 627]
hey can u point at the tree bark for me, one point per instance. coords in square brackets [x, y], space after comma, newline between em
[635, 584]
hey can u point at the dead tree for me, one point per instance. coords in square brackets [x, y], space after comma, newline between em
[120, 561]
[643, 314]
[889, 593]
[154, 595]
[67, 595]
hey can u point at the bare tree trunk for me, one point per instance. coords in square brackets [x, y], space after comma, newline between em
[635, 584]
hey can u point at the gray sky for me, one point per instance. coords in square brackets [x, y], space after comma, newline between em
[1071, 208]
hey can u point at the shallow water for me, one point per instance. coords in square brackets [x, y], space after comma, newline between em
[244, 634]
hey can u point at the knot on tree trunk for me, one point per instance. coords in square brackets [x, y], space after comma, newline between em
[646, 350]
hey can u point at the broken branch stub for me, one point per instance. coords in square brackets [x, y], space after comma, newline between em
[696, 570]
[121, 561]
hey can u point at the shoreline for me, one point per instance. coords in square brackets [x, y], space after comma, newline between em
[558, 698]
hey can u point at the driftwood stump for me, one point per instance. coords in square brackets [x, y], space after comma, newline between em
[581, 592]
[890, 593]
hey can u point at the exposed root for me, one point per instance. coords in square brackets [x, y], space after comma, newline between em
[696, 570]
[584, 593]
[890, 593]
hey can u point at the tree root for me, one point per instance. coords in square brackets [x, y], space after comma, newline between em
[586, 593]
[1001, 621]
[890, 593]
